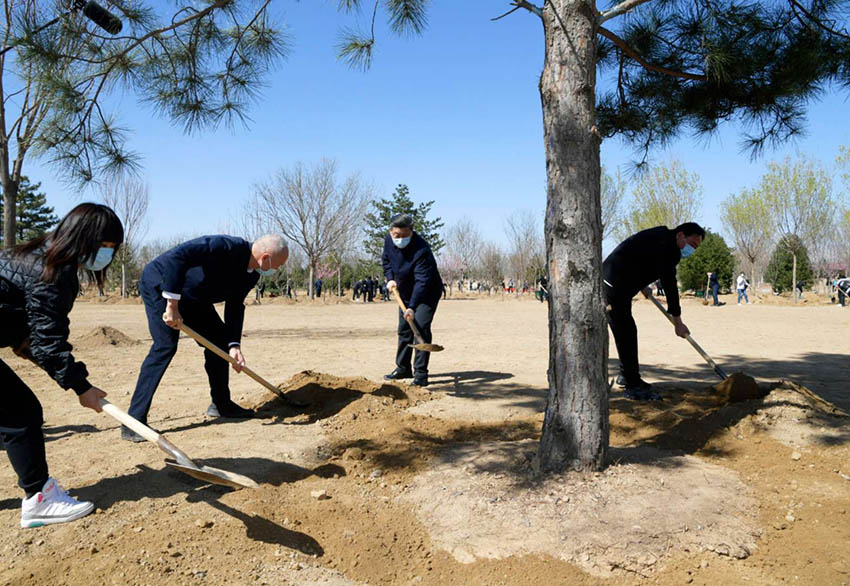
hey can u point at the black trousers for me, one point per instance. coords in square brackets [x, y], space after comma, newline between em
[201, 317]
[625, 335]
[423, 315]
[21, 419]
[841, 296]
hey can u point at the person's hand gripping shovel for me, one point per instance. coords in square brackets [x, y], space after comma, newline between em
[242, 368]
[419, 344]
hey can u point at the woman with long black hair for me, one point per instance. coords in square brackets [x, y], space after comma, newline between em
[38, 286]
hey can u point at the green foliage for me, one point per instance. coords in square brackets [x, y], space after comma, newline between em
[378, 221]
[757, 62]
[666, 195]
[779, 270]
[33, 216]
[612, 191]
[712, 255]
[747, 217]
[799, 196]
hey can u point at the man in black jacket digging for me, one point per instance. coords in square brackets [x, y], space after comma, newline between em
[639, 260]
[409, 265]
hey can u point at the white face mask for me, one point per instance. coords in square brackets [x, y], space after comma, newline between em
[402, 242]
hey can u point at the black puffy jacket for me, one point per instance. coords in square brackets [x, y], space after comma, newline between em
[33, 310]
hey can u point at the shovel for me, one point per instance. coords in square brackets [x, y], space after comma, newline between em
[222, 354]
[707, 285]
[420, 344]
[719, 371]
[181, 461]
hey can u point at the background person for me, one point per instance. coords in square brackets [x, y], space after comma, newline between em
[638, 261]
[38, 286]
[184, 283]
[714, 284]
[741, 285]
[409, 266]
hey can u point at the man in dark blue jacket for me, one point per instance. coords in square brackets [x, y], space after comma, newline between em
[639, 260]
[184, 283]
[409, 266]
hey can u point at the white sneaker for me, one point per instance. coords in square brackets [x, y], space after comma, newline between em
[52, 505]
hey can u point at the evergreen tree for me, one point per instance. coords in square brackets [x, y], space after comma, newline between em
[779, 271]
[378, 221]
[712, 255]
[33, 216]
[672, 67]
[198, 63]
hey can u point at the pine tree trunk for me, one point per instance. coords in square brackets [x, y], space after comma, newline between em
[10, 199]
[575, 427]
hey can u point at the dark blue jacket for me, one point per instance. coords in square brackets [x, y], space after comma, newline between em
[33, 310]
[414, 270]
[642, 259]
[209, 269]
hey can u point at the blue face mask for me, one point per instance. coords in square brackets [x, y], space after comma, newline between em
[102, 258]
[267, 272]
[687, 250]
[402, 242]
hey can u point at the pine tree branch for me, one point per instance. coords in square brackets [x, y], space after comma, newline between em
[634, 55]
[817, 21]
[619, 9]
[517, 4]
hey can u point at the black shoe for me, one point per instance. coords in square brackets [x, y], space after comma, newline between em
[621, 380]
[130, 435]
[397, 374]
[420, 380]
[641, 391]
[228, 409]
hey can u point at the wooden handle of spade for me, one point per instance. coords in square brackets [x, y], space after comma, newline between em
[717, 370]
[222, 354]
[147, 433]
[416, 335]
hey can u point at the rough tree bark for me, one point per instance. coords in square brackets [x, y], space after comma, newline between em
[575, 428]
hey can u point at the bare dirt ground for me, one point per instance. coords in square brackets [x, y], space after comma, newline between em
[389, 484]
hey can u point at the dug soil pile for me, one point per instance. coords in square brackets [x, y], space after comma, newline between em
[105, 336]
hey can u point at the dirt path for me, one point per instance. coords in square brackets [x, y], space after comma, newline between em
[387, 484]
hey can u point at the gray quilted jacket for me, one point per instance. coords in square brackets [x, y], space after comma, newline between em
[34, 311]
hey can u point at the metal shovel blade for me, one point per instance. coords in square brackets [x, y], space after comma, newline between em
[423, 347]
[214, 475]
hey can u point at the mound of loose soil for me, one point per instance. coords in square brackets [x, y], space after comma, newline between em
[739, 387]
[106, 336]
[324, 395]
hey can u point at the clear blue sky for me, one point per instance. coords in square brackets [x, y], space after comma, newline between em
[455, 114]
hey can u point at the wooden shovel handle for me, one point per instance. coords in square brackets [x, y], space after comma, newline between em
[417, 336]
[146, 432]
[222, 354]
[719, 371]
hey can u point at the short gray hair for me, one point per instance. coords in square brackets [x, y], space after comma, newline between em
[401, 221]
[272, 243]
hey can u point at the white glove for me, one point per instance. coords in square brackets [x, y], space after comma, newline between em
[391, 285]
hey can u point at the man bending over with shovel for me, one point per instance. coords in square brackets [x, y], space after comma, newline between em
[184, 283]
[639, 260]
[409, 267]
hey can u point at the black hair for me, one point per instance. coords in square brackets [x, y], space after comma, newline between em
[690, 229]
[401, 221]
[76, 239]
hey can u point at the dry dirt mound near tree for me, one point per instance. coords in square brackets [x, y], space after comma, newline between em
[484, 501]
[106, 336]
[325, 395]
